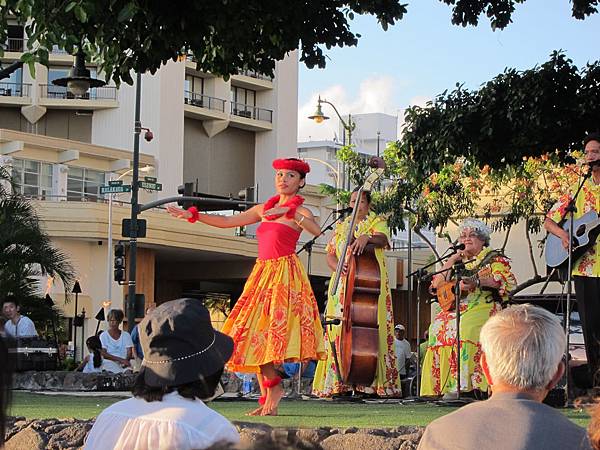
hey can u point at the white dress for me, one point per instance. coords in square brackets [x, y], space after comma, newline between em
[116, 348]
[89, 365]
[173, 423]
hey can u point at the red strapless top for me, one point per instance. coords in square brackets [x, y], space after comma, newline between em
[275, 240]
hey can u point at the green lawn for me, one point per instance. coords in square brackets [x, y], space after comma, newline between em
[293, 413]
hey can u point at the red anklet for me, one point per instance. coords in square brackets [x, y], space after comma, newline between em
[262, 399]
[272, 382]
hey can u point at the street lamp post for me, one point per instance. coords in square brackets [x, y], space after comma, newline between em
[349, 127]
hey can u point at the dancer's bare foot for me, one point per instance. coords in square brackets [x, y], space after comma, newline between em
[274, 396]
[255, 412]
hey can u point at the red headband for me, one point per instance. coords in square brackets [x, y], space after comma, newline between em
[291, 164]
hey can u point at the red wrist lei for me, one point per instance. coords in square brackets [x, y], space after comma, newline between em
[292, 204]
[195, 214]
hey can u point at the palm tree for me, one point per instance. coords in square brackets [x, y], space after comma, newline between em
[26, 251]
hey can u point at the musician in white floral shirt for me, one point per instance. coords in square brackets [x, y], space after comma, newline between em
[586, 269]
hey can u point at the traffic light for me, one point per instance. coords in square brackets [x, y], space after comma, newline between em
[186, 190]
[119, 263]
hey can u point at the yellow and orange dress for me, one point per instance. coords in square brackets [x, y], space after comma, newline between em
[438, 375]
[276, 319]
[387, 378]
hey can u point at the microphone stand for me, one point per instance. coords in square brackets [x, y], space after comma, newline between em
[571, 210]
[308, 247]
[422, 275]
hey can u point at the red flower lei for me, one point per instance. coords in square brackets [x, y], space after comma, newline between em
[292, 203]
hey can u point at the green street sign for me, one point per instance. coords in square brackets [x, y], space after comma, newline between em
[115, 183]
[150, 186]
[118, 189]
[150, 179]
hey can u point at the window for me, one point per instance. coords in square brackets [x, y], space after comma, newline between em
[84, 184]
[243, 96]
[15, 42]
[32, 178]
[194, 84]
[193, 90]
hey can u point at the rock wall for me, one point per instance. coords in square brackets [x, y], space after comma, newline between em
[73, 381]
[55, 434]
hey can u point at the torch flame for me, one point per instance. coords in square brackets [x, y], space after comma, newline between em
[49, 283]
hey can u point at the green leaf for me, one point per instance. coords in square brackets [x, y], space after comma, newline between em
[70, 6]
[80, 14]
[127, 12]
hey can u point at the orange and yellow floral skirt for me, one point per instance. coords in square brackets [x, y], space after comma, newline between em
[276, 319]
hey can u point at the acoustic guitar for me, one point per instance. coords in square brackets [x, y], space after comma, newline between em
[446, 291]
[585, 232]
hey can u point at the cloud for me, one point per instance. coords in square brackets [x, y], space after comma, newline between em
[375, 94]
[419, 100]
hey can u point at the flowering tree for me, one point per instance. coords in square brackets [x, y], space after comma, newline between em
[504, 153]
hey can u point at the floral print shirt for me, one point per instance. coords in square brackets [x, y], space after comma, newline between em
[588, 265]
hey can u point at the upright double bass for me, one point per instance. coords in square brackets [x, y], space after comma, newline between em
[359, 341]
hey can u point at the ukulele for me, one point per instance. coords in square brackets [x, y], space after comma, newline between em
[446, 294]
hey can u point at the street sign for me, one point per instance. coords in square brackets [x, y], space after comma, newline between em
[115, 183]
[150, 179]
[151, 186]
[115, 189]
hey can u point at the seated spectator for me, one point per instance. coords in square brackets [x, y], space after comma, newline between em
[117, 346]
[92, 362]
[17, 325]
[523, 348]
[402, 349]
[184, 358]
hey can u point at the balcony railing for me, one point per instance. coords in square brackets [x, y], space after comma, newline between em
[57, 50]
[251, 112]
[15, 89]
[60, 92]
[204, 101]
[253, 74]
[14, 45]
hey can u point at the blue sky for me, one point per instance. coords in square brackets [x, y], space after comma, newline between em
[424, 54]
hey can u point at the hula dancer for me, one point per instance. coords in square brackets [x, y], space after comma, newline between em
[276, 319]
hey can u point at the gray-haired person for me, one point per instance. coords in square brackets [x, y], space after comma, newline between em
[523, 347]
[483, 295]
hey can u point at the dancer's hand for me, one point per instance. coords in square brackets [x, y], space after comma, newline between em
[178, 212]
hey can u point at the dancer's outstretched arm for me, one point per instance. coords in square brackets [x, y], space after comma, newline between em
[252, 215]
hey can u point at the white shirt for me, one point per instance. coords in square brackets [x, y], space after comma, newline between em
[116, 348]
[173, 423]
[23, 328]
[89, 365]
[403, 353]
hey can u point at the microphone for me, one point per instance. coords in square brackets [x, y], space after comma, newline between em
[343, 210]
[593, 164]
[457, 247]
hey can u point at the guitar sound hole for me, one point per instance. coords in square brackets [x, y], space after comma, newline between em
[580, 230]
